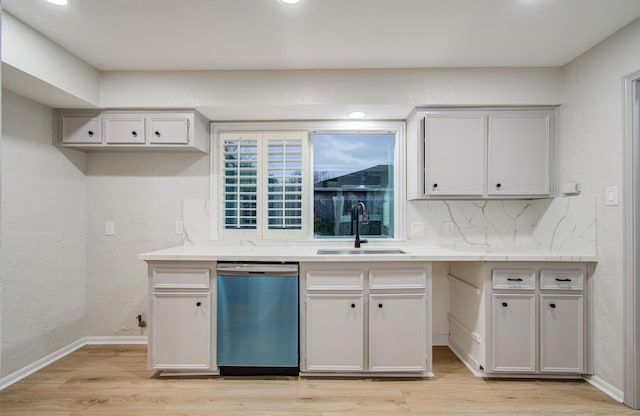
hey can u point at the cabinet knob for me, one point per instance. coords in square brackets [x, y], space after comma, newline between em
[380, 305]
[498, 185]
[435, 185]
[90, 133]
[157, 133]
[353, 305]
[505, 304]
[134, 133]
[552, 305]
[198, 304]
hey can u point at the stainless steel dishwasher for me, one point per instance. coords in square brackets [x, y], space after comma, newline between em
[257, 323]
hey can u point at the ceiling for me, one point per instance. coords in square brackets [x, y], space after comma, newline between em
[323, 34]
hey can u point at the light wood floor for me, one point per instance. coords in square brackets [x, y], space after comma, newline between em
[113, 380]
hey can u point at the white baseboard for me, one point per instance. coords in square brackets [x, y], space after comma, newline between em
[124, 340]
[472, 365]
[606, 387]
[56, 355]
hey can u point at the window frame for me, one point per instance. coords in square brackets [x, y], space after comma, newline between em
[311, 127]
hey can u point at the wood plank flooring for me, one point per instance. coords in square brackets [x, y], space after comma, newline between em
[113, 380]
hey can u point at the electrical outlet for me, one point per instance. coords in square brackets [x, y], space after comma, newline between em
[109, 228]
[448, 229]
[179, 228]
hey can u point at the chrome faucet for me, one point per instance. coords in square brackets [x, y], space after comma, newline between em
[365, 220]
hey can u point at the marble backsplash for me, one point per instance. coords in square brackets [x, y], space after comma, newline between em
[564, 225]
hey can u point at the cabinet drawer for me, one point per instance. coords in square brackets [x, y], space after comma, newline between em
[124, 130]
[514, 279]
[81, 130]
[561, 279]
[335, 280]
[169, 130]
[181, 278]
[397, 279]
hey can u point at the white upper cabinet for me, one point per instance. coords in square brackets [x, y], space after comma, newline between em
[124, 130]
[169, 129]
[481, 153]
[457, 138]
[80, 130]
[132, 129]
[519, 153]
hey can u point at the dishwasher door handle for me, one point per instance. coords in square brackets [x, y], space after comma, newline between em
[257, 269]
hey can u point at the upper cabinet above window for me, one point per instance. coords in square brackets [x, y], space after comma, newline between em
[481, 153]
[128, 130]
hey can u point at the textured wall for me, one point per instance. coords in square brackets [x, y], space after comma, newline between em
[43, 252]
[142, 194]
[591, 154]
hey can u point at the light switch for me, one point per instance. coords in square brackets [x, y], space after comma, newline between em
[612, 195]
[109, 228]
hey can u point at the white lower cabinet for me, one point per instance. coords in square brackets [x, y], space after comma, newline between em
[397, 332]
[514, 333]
[335, 332]
[182, 330]
[561, 333]
[183, 319]
[537, 319]
[367, 318]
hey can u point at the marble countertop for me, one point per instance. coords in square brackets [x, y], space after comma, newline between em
[309, 253]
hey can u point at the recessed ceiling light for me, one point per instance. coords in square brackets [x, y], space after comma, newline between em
[58, 2]
[357, 114]
[289, 1]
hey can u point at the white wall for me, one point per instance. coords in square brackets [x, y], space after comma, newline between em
[142, 193]
[46, 64]
[591, 154]
[43, 252]
[249, 95]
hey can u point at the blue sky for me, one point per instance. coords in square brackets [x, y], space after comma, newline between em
[346, 153]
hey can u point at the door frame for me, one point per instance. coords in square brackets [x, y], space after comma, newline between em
[631, 251]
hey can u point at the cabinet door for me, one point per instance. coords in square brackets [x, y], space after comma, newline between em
[561, 333]
[335, 333]
[397, 332]
[454, 154]
[81, 130]
[124, 130]
[181, 331]
[519, 153]
[169, 130]
[513, 337]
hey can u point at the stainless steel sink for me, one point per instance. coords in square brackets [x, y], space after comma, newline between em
[356, 251]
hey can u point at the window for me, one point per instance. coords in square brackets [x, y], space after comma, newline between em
[348, 169]
[264, 184]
